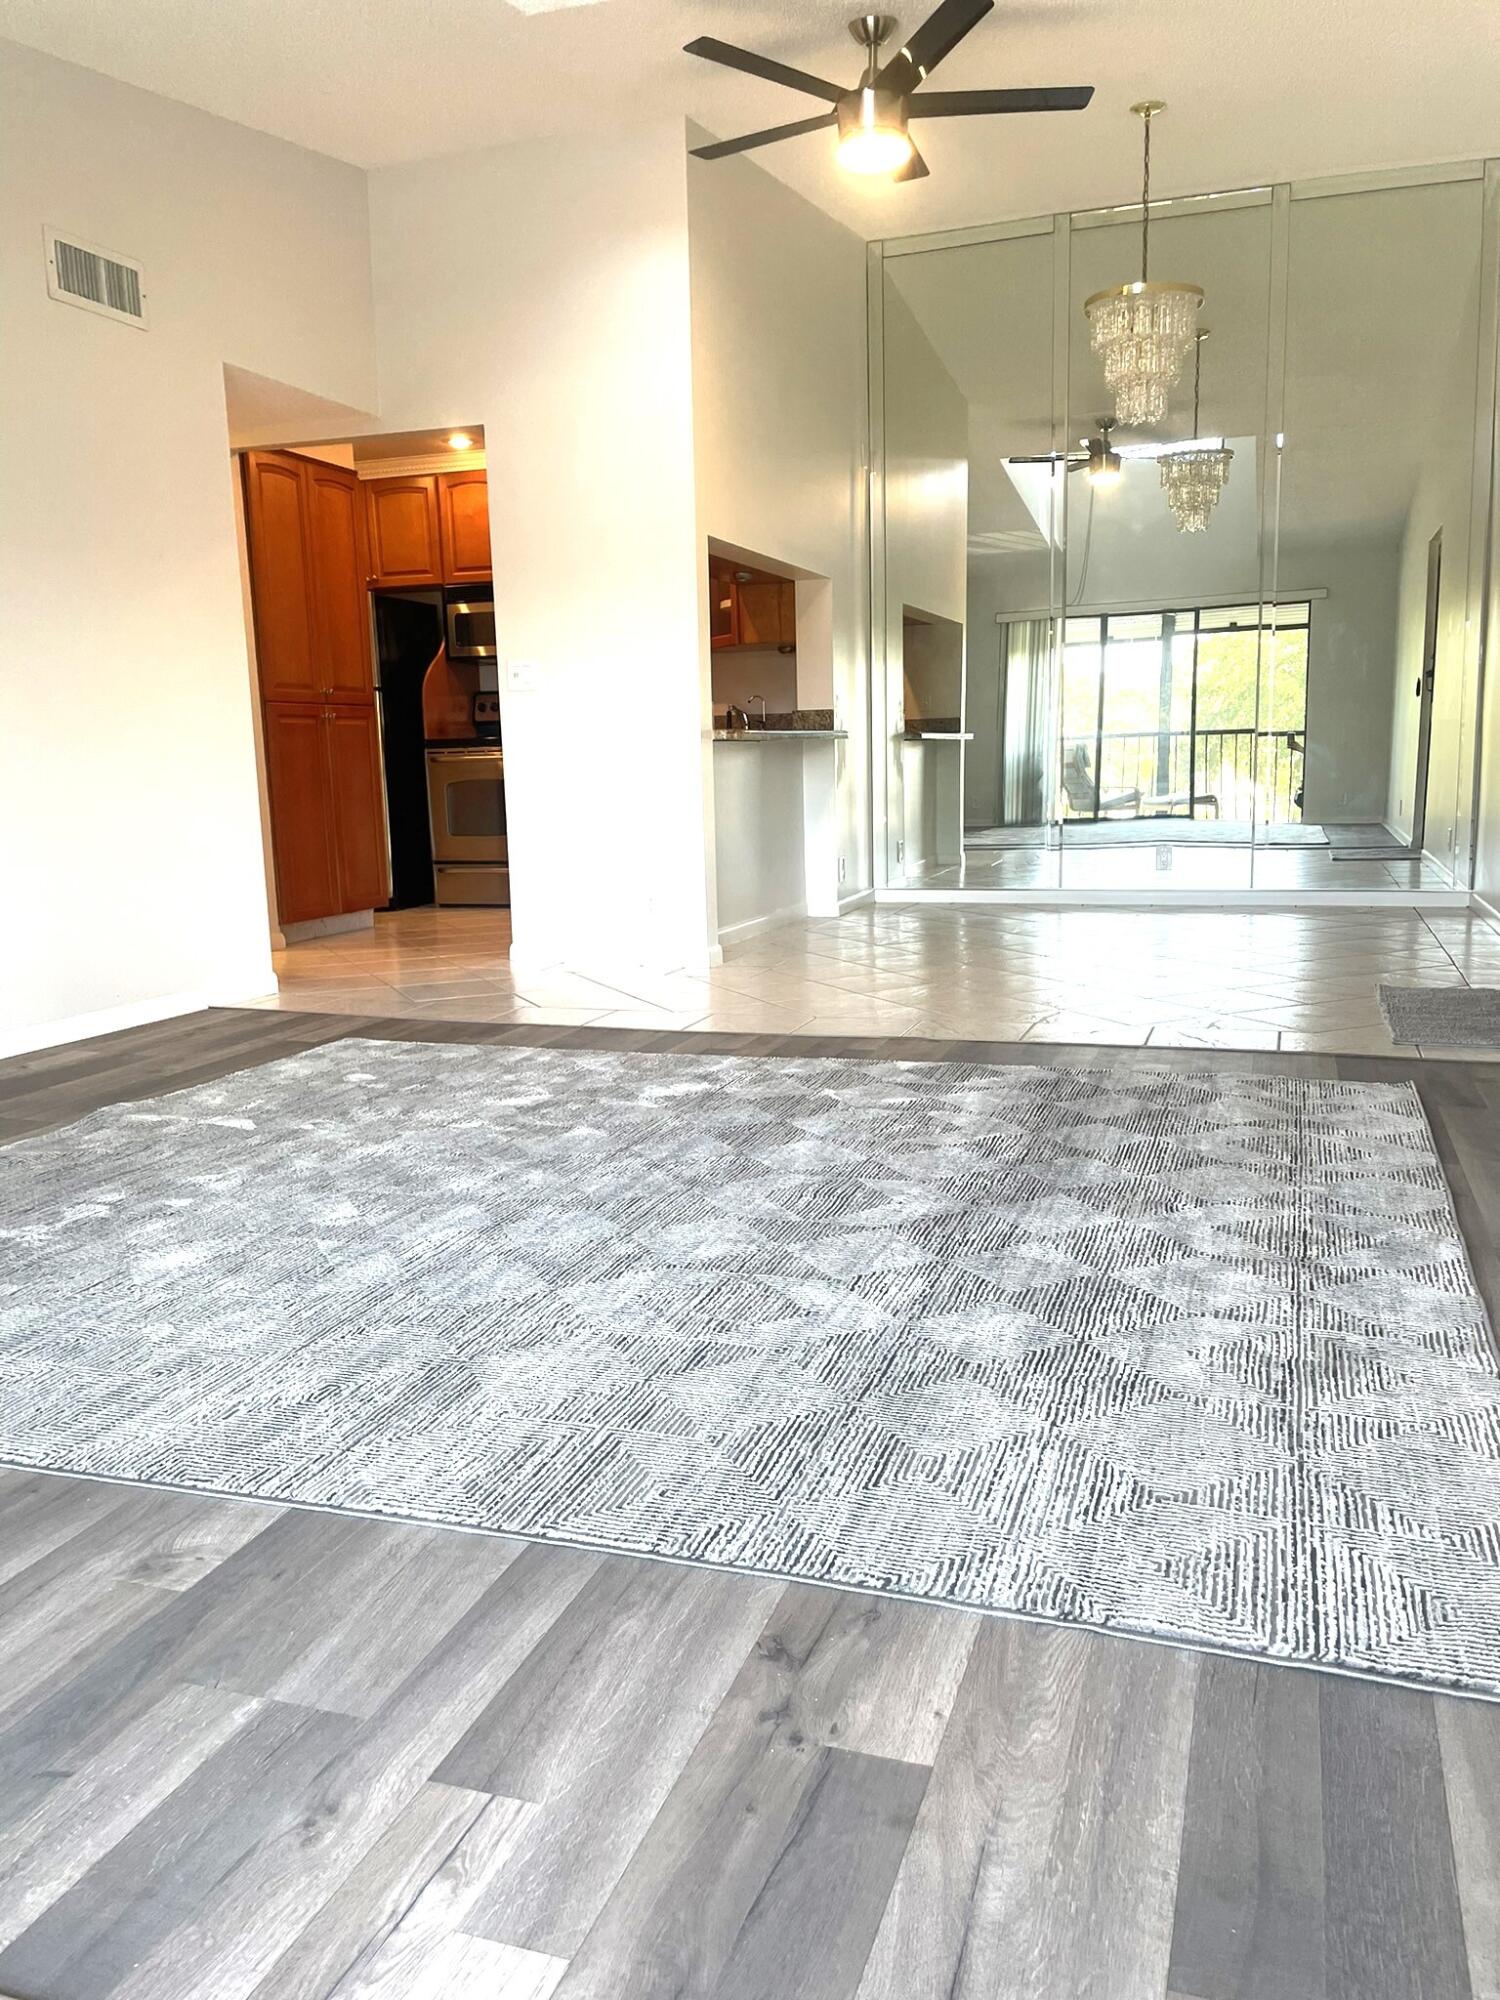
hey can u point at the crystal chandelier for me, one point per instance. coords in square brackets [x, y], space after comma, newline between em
[1193, 479]
[1142, 331]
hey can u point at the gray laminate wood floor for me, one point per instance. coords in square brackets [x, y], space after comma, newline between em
[284, 1755]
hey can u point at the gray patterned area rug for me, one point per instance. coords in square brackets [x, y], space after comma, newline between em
[1193, 1356]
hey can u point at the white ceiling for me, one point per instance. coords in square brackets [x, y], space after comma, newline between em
[1259, 89]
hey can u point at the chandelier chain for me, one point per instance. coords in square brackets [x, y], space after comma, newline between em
[1146, 202]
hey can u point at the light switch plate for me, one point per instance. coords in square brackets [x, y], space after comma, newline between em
[522, 676]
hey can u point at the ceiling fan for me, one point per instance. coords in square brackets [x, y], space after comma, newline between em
[1101, 460]
[872, 116]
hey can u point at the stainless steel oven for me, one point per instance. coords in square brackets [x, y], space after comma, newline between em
[470, 627]
[466, 805]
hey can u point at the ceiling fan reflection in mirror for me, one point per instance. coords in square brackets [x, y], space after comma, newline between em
[872, 117]
[1101, 460]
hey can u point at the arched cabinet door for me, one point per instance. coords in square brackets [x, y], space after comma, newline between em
[339, 567]
[464, 517]
[276, 530]
[405, 546]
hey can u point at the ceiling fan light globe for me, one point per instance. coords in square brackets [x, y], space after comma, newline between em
[1105, 470]
[872, 132]
[874, 152]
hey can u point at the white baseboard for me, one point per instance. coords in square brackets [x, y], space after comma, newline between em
[1189, 899]
[254, 983]
[316, 927]
[1483, 909]
[753, 926]
[854, 902]
[107, 1021]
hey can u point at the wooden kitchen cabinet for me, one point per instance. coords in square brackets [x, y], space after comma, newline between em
[306, 533]
[405, 538]
[327, 808]
[302, 831]
[464, 526]
[722, 614]
[306, 528]
[749, 608]
[280, 576]
[338, 564]
[767, 614]
[356, 792]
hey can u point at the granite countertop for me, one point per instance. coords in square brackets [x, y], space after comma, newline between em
[786, 724]
[932, 728]
[759, 735]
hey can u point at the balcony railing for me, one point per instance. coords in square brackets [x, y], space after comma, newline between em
[1233, 774]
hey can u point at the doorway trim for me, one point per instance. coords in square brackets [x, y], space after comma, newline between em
[1426, 680]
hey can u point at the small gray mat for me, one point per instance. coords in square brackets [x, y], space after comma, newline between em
[1442, 1017]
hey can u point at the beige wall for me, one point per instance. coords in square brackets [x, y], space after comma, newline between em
[543, 291]
[129, 824]
[779, 412]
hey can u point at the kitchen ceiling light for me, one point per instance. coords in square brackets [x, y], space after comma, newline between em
[459, 441]
[1142, 331]
[1193, 478]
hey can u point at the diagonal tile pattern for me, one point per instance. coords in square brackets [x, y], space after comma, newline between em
[1240, 979]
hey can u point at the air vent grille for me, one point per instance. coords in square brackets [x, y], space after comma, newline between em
[81, 274]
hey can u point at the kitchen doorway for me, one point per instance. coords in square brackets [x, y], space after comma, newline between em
[371, 627]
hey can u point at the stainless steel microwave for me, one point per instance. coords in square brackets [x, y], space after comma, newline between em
[471, 628]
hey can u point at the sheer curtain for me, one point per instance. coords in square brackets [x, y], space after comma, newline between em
[1026, 729]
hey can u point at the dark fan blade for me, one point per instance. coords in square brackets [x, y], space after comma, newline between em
[976, 103]
[1067, 458]
[938, 36]
[753, 65]
[916, 168]
[722, 148]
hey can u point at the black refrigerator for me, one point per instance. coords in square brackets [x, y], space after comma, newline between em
[408, 638]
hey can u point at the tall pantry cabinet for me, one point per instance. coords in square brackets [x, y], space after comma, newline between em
[309, 571]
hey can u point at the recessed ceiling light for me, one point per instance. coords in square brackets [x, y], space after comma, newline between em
[459, 441]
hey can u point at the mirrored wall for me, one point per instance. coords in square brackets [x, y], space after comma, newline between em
[1233, 647]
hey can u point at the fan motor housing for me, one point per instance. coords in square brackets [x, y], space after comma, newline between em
[869, 109]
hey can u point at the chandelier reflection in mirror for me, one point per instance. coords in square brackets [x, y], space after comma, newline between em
[1142, 331]
[1194, 477]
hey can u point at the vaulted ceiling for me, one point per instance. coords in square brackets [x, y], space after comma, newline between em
[1259, 89]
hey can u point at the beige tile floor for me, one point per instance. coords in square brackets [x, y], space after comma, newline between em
[1262, 979]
